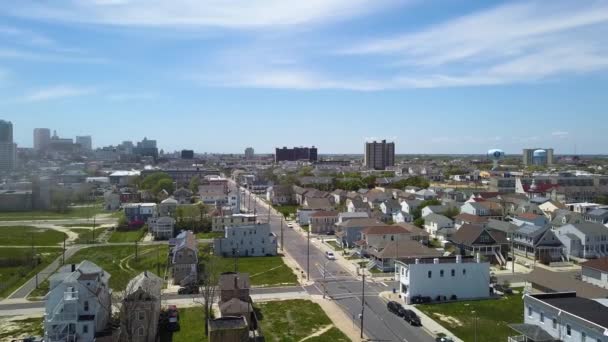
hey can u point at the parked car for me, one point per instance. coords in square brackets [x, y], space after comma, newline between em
[172, 318]
[503, 289]
[421, 299]
[190, 289]
[411, 317]
[289, 225]
[395, 308]
[330, 255]
[443, 339]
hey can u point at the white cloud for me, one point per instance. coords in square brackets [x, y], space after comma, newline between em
[56, 92]
[560, 134]
[185, 13]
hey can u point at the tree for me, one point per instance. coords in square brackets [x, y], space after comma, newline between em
[152, 180]
[370, 181]
[164, 184]
[419, 222]
[194, 183]
[208, 281]
[452, 212]
[59, 200]
[603, 199]
[202, 209]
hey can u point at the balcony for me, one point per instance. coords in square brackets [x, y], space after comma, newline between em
[520, 338]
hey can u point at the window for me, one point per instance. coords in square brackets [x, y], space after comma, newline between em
[464, 272]
[86, 305]
[542, 317]
[568, 330]
[141, 315]
[252, 251]
[85, 329]
[441, 273]
[453, 272]
[430, 274]
[530, 311]
[140, 331]
[554, 323]
[583, 336]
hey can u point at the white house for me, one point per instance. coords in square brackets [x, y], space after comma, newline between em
[451, 278]
[596, 272]
[248, 240]
[401, 216]
[439, 226]
[410, 205]
[584, 240]
[78, 304]
[474, 208]
[161, 228]
[562, 316]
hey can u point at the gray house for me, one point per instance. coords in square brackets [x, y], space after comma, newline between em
[347, 232]
[184, 259]
[584, 240]
[141, 308]
[539, 243]
[597, 216]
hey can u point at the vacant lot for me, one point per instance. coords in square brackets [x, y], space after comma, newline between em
[209, 235]
[80, 212]
[492, 317]
[87, 235]
[26, 236]
[294, 320]
[17, 266]
[14, 328]
[121, 263]
[263, 271]
[127, 235]
[192, 327]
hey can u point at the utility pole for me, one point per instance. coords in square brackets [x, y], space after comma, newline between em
[158, 260]
[33, 255]
[235, 252]
[308, 256]
[324, 283]
[512, 256]
[281, 233]
[93, 229]
[362, 303]
[135, 250]
[63, 254]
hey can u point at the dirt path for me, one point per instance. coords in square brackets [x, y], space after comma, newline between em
[318, 332]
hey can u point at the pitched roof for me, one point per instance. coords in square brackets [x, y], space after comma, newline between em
[591, 228]
[600, 212]
[405, 250]
[503, 226]
[412, 229]
[528, 216]
[385, 229]
[318, 203]
[600, 264]
[360, 222]
[325, 214]
[148, 282]
[465, 217]
[234, 281]
[565, 282]
[437, 218]
[467, 234]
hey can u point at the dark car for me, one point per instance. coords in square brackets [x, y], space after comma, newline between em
[395, 308]
[191, 289]
[411, 317]
[503, 289]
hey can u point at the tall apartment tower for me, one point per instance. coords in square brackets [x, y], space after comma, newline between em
[8, 149]
[379, 155]
[528, 156]
[85, 142]
[249, 153]
[42, 138]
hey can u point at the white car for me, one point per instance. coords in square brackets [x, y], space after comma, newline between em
[289, 225]
[330, 255]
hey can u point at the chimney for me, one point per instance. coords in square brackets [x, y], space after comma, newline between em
[458, 259]
[435, 260]
[73, 267]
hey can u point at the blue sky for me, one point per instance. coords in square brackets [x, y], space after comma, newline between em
[436, 76]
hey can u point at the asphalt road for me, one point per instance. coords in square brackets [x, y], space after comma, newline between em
[344, 288]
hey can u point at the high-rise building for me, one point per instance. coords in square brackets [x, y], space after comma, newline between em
[528, 156]
[249, 153]
[42, 139]
[379, 155]
[85, 142]
[146, 148]
[187, 154]
[8, 149]
[295, 154]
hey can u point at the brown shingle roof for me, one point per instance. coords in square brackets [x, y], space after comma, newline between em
[470, 218]
[528, 216]
[600, 264]
[405, 250]
[325, 214]
[380, 230]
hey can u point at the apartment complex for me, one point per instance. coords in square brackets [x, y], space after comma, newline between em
[8, 149]
[379, 155]
[42, 139]
[295, 154]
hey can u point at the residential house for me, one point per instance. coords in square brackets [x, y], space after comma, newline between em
[375, 197]
[384, 257]
[220, 222]
[543, 280]
[550, 207]
[78, 305]
[235, 300]
[246, 240]
[347, 232]
[357, 205]
[531, 219]
[343, 217]
[584, 240]
[505, 227]
[323, 222]
[439, 226]
[436, 209]
[597, 216]
[475, 208]
[425, 195]
[339, 196]
[410, 205]
[402, 216]
[527, 207]
[184, 258]
[377, 237]
[538, 243]
[183, 196]
[111, 200]
[412, 189]
[595, 272]
[495, 209]
[168, 207]
[561, 316]
[228, 329]
[139, 213]
[564, 217]
[448, 278]
[279, 195]
[140, 308]
[312, 205]
[416, 234]
[473, 239]
[161, 228]
[464, 218]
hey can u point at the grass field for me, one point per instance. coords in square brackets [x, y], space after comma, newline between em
[39, 292]
[79, 225]
[13, 276]
[335, 245]
[286, 210]
[120, 261]
[12, 328]
[192, 327]
[263, 271]
[209, 235]
[492, 317]
[80, 212]
[127, 236]
[26, 236]
[294, 320]
[86, 235]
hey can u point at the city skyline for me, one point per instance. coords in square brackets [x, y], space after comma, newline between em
[460, 77]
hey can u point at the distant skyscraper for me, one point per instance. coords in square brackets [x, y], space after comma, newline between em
[528, 157]
[146, 148]
[187, 154]
[8, 149]
[85, 142]
[296, 153]
[379, 155]
[249, 153]
[42, 138]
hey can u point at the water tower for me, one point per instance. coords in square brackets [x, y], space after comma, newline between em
[539, 157]
[495, 155]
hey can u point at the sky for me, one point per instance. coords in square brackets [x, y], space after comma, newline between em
[435, 76]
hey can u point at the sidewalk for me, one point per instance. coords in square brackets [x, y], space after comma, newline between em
[340, 319]
[428, 323]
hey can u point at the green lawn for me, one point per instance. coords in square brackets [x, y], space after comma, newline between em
[120, 261]
[209, 235]
[11, 328]
[492, 317]
[40, 292]
[16, 267]
[334, 335]
[127, 235]
[86, 235]
[192, 327]
[286, 210]
[80, 225]
[26, 236]
[80, 212]
[335, 245]
[263, 271]
[294, 320]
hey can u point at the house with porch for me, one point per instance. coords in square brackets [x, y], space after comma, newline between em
[383, 258]
[473, 239]
[538, 243]
[323, 222]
